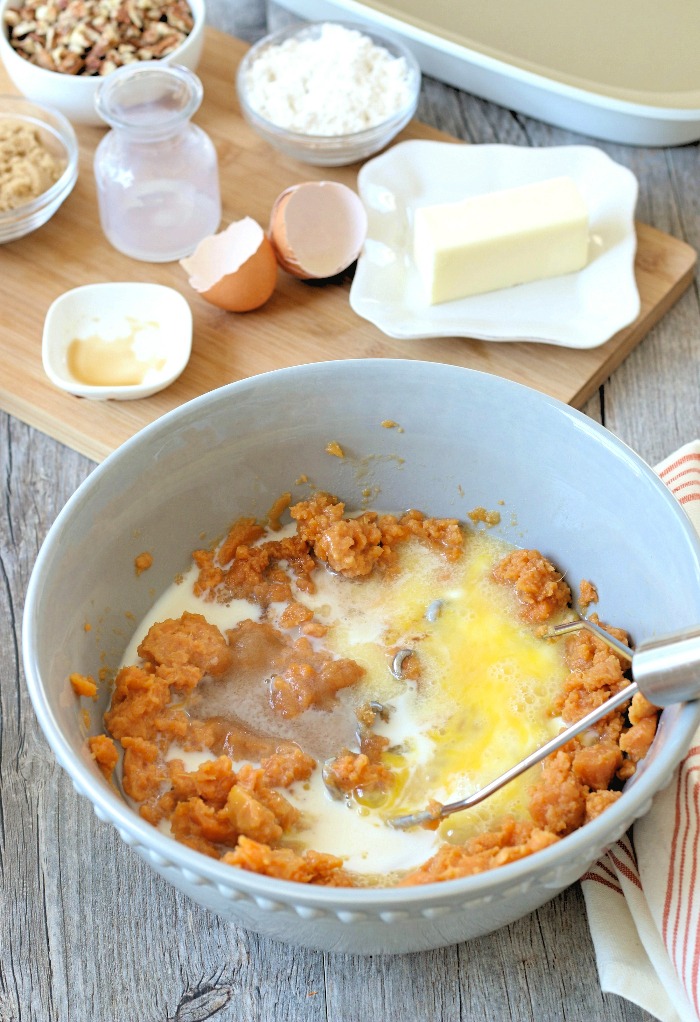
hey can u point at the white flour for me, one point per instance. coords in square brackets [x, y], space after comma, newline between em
[336, 83]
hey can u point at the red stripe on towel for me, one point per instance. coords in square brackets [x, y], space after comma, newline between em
[602, 865]
[623, 868]
[694, 483]
[602, 881]
[690, 935]
[626, 845]
[671, 877]
[677, 463]
[677, 941]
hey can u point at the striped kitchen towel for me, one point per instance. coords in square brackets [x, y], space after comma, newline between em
[643, 897]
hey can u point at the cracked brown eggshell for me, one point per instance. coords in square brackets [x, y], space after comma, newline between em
[236, 269]
[317, 229]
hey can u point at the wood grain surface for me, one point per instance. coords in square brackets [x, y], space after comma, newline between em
[300, 324]
[88, 933]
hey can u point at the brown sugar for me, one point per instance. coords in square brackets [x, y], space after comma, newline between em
[352, 771]
[334, 448]
[189, 641]
[310, 868]
[539, 586]
[143, 562]
[588, 594]
[512, 842]
[105, 753]
[481, 514]
[27, 168]
[83, 685]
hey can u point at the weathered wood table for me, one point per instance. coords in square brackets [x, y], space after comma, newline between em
[90, 934]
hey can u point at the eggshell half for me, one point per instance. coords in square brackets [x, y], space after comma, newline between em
[317, 229]
[236, 269]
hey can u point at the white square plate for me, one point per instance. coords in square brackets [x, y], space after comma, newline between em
[578, 310]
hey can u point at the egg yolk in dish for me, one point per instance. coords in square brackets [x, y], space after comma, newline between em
[301, 685]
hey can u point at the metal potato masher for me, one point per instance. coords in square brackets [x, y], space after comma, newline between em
[665, 670]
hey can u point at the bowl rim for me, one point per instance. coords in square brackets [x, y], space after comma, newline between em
[165, 852]
[57, 124]
[49, 343]
[399, 117]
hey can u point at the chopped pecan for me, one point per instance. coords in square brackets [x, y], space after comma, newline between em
[93, 37]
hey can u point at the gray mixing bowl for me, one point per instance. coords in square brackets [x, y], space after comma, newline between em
[569, 488]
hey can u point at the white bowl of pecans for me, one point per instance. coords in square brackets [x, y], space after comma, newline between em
[56, 52]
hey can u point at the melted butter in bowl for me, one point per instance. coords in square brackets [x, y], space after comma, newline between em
[117, 340]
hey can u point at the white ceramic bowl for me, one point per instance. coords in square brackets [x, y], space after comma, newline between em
[328, 150]
[145, 327]
[59, 138]
[74, 95]
[570, 488]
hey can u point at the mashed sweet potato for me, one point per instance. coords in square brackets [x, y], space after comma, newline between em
[236, 805]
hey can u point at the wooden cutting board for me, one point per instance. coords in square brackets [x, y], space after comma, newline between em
[300, 324]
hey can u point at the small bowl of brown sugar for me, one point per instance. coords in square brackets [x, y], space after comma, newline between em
[57, 52]
[38, 165]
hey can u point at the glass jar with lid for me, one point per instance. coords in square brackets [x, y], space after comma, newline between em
[156, 172]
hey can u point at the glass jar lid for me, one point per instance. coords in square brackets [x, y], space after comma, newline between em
[149, 99]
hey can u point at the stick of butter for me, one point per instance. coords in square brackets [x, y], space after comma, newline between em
[503, 238]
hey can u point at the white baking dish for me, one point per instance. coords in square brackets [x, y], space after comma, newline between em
[626, 72]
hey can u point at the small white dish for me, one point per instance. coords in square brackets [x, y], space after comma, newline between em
[578, 310]
[117, 340]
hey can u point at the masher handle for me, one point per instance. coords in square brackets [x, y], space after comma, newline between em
[667, 669]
